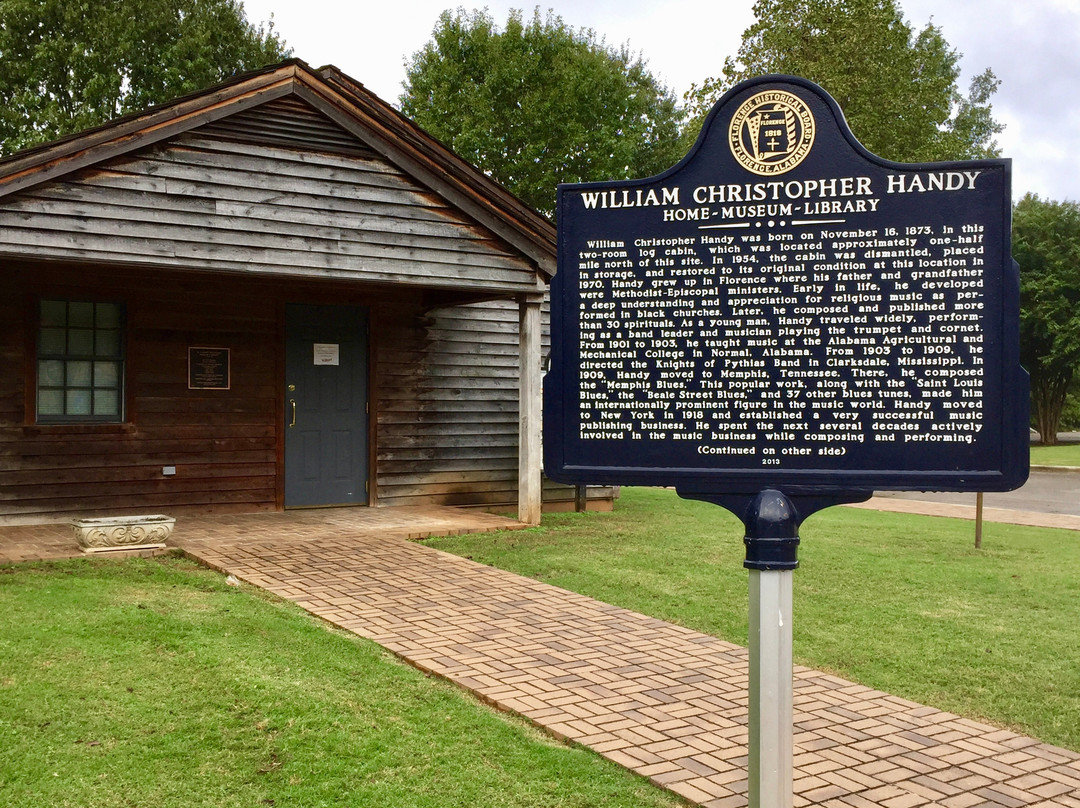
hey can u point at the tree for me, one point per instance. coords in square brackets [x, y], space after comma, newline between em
[897, 88]
[1046, 245]
[540, 103]
[74, 64]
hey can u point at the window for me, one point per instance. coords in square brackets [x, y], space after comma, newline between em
[80, 362]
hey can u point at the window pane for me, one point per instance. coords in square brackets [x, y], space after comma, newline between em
[51, 402]
[78, 374]
[53, 313]
[106, 374]
[53, 341]
[81, 315]
[51, 373]
[108, 315]
[108, 343]
[78, 402]
[80, 342]
[80, 361]
[106, 402]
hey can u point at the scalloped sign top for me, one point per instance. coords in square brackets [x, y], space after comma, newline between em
[784, 309]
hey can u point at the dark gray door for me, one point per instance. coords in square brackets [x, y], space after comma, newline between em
[326, 422]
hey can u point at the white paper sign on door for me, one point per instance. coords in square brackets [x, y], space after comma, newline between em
[326, 353]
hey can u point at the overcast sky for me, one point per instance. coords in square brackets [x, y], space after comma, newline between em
[1032, 46]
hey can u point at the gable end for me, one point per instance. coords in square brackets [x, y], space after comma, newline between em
[287, 123]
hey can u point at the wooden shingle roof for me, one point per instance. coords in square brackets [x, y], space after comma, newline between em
[361, 120]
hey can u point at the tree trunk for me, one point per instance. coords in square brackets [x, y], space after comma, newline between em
[1048, 391]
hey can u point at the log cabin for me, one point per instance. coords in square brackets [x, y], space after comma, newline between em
[275, 293]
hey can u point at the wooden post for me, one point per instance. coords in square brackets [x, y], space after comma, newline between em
[978, 520]
[530, 494]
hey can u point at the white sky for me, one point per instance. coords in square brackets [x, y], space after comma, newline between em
[1032, 46]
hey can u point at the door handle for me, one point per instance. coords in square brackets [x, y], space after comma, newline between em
[292, 401]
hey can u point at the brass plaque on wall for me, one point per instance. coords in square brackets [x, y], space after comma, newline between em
[208, 369]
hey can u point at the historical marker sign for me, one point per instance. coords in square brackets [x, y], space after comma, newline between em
[784, 309]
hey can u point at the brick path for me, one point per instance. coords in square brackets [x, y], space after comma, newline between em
[55, 541]
[663, 700]
[45, 542]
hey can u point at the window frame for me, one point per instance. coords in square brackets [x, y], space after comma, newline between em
[92, 357]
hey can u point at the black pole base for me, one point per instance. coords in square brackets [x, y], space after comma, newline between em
[772, 521]
[772, 532]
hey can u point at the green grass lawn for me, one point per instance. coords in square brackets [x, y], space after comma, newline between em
[1065, 454]
[153, 684]
[896, 602]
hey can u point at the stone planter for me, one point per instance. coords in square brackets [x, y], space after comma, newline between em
[123, 532]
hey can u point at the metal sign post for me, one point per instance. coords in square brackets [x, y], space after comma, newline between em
[772, 542]
[783, 322]
[771, 523]
[771, 748]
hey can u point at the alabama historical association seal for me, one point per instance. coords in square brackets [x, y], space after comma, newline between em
[771, 132]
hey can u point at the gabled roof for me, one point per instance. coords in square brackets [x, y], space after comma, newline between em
[335, 95]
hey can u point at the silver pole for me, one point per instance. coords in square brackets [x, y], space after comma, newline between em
[771, 745]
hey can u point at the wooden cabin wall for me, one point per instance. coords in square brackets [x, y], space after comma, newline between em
[205, 238]
[448, 407]
[222, 442]
[277, 191]
[444, 386]
[448, 410]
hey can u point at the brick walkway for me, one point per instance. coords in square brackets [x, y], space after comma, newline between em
[663, 700]
[55, 541]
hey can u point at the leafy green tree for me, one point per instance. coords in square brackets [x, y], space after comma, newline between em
[1046, 245]
[72, 64]
[896, 87]
[539, 103]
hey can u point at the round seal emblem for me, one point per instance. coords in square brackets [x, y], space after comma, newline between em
[771, 132]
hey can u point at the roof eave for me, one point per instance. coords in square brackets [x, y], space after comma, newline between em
[339, 96]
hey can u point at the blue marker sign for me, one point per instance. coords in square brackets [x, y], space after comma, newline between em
[784, 309]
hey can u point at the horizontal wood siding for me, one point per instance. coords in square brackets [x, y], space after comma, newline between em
[13, 346]
[205, 237]
[277, 190]
[448, 407]
[291, 123]
[223, 443]
[445, 387]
